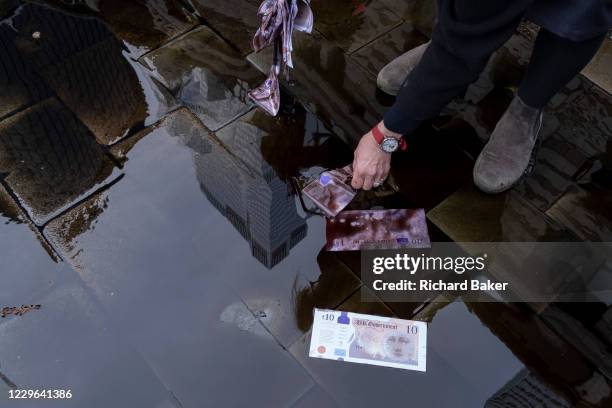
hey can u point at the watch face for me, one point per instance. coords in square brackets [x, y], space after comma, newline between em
[389, 145]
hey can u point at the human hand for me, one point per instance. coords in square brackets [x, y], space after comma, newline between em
[371, 165]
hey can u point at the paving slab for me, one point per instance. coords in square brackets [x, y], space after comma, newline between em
[470, 374]
[235, 20]
[350, 24]
[573, 326]
[21, 84]
[144, 25]
[586, 211]
[140, 25]
[472, 216]
[577, 133]
[330, 85]
[374, 56]
[373, 306]
[288, 272]
[88, 69]
[32, 268]
[585, 119]
[59, 34]
[598, 69]
[469, 217]
[112, 95]
[51, 159]
[77, 351]
[316, 397]
[206, 75]
[156, 253]
[539, 346]
[420, 13]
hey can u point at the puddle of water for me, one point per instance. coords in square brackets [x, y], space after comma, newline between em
[196, 244]
[51, 158]
[71, 88]
[206, 75]
[236, 20]
[29, 266]
[463, 356]
[85, 66]
[352, 24]
[140, 25]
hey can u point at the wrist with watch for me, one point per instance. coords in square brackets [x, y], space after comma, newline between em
[388, 144]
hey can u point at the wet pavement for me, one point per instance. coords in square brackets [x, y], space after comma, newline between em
[151, 211]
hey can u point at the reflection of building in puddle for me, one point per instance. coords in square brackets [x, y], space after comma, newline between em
[526, 390]
[250, 195]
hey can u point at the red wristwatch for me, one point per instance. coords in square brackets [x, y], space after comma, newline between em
[388, 144]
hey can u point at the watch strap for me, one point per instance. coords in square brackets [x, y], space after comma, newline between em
[380, 137]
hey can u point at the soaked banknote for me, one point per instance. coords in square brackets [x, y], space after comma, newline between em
[332, 191]
[367, 339]
[377, 229]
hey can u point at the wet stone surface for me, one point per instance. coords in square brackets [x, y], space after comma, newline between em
[140, 25]
[351, 24]
[470, 376]
[206, 75]
[336, 88]
[586, 211]
[78, 336]
[86, 68]
[316, 397]
[20, 82]
[537, 344]
[30, 271]
[50, 158]
[374, 56]
[190, 266]
[112, 96]
[598, 70]
[235, 20]
[421, 13]
[292, 274]
[578, 131]
[469, 215]
[170, 303]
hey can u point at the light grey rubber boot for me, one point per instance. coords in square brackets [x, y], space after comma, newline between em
[510, 150]
[392, 76]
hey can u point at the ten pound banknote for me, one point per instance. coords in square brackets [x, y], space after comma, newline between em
[332, 191]
[366, 339]
[377, 229]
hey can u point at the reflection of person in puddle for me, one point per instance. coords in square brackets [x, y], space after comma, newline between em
[426, 78]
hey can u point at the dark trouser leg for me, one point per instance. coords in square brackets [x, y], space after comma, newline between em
[554, 62]
[467, 33]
